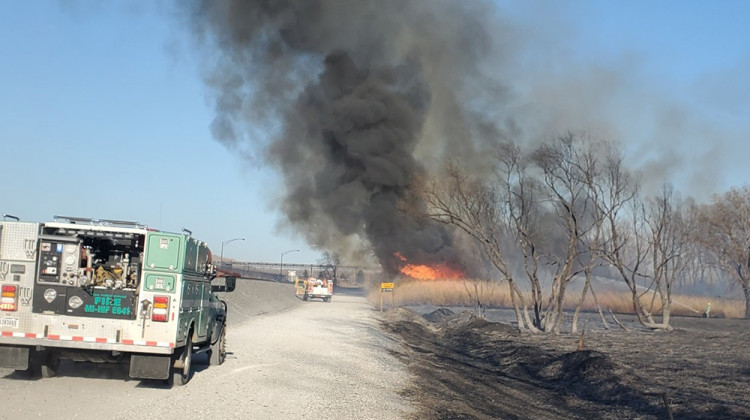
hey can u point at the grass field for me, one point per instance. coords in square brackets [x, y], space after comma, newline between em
[495, 295]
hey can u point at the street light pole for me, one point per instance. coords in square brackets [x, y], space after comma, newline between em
[281, 265]
[226, 242]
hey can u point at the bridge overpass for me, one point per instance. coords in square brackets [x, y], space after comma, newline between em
[281, 272]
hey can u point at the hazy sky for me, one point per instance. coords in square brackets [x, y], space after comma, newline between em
[104, 112]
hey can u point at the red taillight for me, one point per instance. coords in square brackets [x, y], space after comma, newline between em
[9, 300]
[160, 313]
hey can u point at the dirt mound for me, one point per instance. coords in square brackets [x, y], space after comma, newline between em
[449, 321]
[438, 315]
[590, 375]
[471, 368]
[402, 314]
[579, 367]
[406, 323]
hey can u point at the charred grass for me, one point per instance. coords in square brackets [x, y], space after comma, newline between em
[466, 367]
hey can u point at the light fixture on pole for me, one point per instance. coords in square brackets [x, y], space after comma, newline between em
[226, 242]
[281, 266]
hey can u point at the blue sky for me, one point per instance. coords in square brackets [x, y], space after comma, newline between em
[670, 81]
[104, 113]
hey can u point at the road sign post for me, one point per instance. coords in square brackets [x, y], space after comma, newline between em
[386, 288]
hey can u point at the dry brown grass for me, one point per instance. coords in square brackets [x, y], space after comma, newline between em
[492, 294]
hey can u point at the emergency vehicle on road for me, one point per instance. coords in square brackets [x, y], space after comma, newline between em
[108, 291]
[312, 288]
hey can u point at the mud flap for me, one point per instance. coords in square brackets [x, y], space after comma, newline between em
[14, 357]
[150, 367]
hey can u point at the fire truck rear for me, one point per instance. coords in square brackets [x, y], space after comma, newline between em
[107, 291]
[313, 288]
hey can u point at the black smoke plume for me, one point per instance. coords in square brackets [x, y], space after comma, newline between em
[360, 99]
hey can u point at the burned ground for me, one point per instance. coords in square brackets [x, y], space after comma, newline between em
[466, 367]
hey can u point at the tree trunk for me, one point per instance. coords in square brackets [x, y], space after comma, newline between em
[666, 312]
[519, 316]
[549, 320]
[529, 321]
[522, 313]
[560, 308]
[599, 308]
[574, 328]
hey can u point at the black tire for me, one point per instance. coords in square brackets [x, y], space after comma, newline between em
[218, 352]
[181, 376]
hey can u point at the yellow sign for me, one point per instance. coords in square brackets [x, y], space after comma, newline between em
[386, 287]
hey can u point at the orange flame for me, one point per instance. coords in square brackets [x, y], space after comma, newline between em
[426, 272]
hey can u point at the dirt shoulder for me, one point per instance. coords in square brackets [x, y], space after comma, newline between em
[470, 368]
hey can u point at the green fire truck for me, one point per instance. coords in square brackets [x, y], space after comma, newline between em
[108, 291]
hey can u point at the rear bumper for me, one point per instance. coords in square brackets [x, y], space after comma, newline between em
[87, 343]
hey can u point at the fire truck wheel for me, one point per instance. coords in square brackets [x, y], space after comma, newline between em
[181, 376]
[218, 350]
[49, 368]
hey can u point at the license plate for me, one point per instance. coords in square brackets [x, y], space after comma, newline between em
[9, 322]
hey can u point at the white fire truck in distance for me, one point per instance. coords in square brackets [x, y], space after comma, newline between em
[312, 288]
[108, 291]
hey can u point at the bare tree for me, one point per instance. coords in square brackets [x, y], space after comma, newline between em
[725, 232]
[538, 207]
[477, 285]
[669, 225]
[330, 263]
[702, 271]
[622, 241]
[591, 243]
[567, 207]
[566, 163]
[479, 210]
[521, 194]
[642, 243]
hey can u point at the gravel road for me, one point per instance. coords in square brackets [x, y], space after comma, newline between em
[286, 359]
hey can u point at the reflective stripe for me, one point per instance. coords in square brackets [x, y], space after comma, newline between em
[101, 340]
[149, 343]
[20, 334]
[80, 338]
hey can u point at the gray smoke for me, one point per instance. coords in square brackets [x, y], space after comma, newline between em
[361, 98]
[352, 101]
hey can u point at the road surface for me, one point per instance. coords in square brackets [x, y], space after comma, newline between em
[306, 360]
